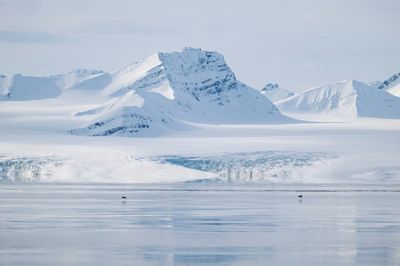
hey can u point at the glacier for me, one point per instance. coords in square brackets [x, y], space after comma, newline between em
[268, 166]
[188, 118]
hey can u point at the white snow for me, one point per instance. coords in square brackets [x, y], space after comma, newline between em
[25, 88]
[192, 86]
[343, 101]
[33, 138]
[189, 105]
[93, 169]
[395, 90]
[275, 93]
[123, 79]
[165, 90]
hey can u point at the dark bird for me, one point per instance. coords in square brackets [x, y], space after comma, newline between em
[123, 197]
[300, 196]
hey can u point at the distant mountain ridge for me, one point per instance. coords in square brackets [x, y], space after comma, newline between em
[346, 100]
[25, 88]
[174, 91]
[274, 93]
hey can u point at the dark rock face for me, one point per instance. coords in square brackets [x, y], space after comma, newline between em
[202, 74]
[384, 85]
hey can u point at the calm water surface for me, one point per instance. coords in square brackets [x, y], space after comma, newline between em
[198, 224]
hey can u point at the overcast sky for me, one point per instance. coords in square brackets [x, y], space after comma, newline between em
[299, 44]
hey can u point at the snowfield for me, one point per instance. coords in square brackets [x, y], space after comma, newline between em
[35, 147]
[184, 117]
[344, 101]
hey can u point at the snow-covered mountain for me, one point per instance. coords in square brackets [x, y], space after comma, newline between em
[84, 79]
[392, 85]
[274, 93]
[345, 100]
[25, 88]
[167, 90]
[174, 91]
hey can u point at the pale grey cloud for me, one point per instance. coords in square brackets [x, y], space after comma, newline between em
[121, 27]
[298, 44]
[9, 36]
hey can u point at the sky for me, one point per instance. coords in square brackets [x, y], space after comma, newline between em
[296, 43]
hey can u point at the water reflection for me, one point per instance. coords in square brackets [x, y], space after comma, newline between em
[197, 225]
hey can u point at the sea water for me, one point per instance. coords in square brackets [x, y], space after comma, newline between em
[198, 224]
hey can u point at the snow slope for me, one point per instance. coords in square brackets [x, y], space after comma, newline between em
[274, 93]
[343, 101]
[192, 88]
[26, 88]
[169, 90]
[84, 79]
[391, 85]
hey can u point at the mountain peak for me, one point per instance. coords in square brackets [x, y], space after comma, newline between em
[85, 72]
[274, 93]
[270, 87]
[167, 90]
[345, 100]
[188, 50]
[390, 82]
[357, 83]
[198, 72]
[192, 71]
[192, 49]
